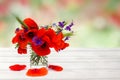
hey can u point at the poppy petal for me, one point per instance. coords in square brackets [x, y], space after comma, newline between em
[42, 50]
[30, 23]
[37, 72]
[55, 67]
[22, 51]
[15, 39]
[17, 67]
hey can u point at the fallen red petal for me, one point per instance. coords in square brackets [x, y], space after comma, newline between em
[55, 67]
[37, 72]
[17, 67]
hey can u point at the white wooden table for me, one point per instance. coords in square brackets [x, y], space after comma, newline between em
[78, 64]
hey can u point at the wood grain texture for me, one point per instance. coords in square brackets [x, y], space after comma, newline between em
[78, 64]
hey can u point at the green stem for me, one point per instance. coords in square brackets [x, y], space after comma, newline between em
[36, 60]
[20, 21]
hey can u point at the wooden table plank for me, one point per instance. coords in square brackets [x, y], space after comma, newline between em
[78, 64]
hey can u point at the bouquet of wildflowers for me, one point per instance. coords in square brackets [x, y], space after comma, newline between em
[41, 38]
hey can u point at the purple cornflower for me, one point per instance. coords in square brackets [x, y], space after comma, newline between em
[66, 38]
[69, 27]
[61, 24]
[37, 41]
[17, 29]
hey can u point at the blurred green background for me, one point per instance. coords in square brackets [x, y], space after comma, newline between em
[96, 22]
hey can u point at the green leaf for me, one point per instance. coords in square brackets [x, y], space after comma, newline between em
[68, 34]
[20, 21]
[17, 45]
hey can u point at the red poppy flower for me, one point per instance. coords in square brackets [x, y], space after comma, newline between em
[22, 51]
[30, 23]
[41, 50]
[30, 34]
[37, 72]
[21, 39]
[58, 43]
[55, 67]
[50, 34]
[45, 36]
[41, 32]
[63, 45]
[47, 40]
[17, 67]
[16, 38]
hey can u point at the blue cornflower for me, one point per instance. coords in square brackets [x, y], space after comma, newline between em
[61, 24]
[66, 38]
[17, 29]
[69, 27]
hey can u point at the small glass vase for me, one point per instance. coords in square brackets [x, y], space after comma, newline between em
[37, 61]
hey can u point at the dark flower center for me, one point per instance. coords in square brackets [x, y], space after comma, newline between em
[22, 38]
[44, 45]
[31, 34]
